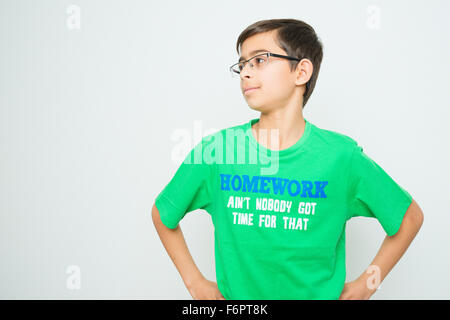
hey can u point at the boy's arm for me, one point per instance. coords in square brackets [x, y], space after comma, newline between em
[391, 250]
[174, 243]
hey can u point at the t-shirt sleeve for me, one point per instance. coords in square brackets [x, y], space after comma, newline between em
[188, 190]
[373, 193]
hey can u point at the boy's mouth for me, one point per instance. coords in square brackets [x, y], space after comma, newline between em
[250, 89]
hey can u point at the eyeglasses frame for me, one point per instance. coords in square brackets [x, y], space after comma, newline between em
[266, 53]
[270, 54]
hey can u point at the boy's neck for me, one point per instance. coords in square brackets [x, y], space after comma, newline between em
[283, 128]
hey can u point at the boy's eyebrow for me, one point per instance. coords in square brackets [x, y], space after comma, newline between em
[252, 53]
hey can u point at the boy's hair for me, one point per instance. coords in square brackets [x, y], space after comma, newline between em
[295, 37]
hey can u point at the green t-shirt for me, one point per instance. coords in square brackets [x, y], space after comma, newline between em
[279, 221]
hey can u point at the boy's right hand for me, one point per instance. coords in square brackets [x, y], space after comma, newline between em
[205, 289]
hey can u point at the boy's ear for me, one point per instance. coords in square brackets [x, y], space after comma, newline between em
[303, 71]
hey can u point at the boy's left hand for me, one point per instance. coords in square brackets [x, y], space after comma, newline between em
[356, 290]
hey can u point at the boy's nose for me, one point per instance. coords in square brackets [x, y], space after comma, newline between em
[246, 71]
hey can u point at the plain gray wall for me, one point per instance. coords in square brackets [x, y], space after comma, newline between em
[92, 93]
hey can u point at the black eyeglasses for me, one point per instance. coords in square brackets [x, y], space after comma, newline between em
[259, 62]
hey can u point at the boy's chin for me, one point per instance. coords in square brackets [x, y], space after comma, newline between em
[259, 108]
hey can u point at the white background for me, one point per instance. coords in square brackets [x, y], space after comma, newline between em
[87, 116]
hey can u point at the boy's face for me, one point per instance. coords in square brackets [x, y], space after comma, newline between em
[277, 85]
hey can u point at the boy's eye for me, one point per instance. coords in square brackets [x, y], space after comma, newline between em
[257, 61]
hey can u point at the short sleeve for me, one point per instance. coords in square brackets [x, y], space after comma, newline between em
[188, 190]
[373, 193]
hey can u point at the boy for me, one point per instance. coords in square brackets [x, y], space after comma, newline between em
[280, 189]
